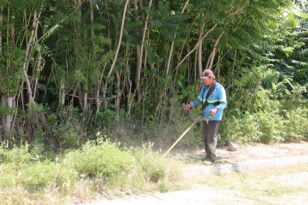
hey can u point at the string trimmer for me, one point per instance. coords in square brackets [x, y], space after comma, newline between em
[199, 119]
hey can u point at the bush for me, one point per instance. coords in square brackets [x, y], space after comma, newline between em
[16, 155]
[41, 175]
[296, 125]
[267, 127]
[69, 137]
[104, 160]
[150, 165]
[270, 124]
[244, 129]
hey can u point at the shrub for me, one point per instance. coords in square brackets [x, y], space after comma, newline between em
[296, 125]
[69, 137]
[150, 165]
[244, 129]
[267, 126]
[41, 175]
[104, 160]
[16, 155]
[270, 124]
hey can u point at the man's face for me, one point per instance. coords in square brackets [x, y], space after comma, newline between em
[207, 80]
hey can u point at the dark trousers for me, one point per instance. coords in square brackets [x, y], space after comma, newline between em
[210, 131]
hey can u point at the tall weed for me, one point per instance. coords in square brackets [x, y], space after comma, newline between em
[104, 159]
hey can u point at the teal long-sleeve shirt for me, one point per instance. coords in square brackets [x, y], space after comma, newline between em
[217, 96]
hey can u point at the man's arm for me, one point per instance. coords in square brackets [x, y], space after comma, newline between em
[199, 99]
[195, 102]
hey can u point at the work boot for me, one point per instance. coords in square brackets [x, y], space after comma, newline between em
[207, 158]
[213, 159]
[210, 158]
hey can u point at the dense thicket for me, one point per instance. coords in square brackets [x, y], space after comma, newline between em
[70, 67]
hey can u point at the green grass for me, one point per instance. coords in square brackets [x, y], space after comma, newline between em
[103, 168]
[98, 168]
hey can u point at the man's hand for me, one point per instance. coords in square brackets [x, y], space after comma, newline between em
[187, 106]
[213, 111]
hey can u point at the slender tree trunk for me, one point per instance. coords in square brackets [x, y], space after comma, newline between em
[211, 58]
[117, 51]
[200, 50]
[173, 41]
[140, 56]
[9, 117]
[120, 39]
[196, 46]
[164, 92]
[39, 67]
[62, 92]
[100, 77]
[118, 98]
[196, 66]
[98, 88]
[85, 102]
[27, 57]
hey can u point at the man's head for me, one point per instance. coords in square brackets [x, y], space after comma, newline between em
[208, 77]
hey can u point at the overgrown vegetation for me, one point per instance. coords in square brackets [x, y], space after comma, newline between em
[101, 162]
[74, 71]
[67, 72]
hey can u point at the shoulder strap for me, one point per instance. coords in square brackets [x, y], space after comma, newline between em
[209, 92]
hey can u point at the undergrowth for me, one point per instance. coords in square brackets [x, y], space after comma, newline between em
[98, 167]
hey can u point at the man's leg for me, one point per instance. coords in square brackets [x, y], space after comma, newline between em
[210, 131]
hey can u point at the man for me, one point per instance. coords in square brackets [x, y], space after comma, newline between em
[213, 98]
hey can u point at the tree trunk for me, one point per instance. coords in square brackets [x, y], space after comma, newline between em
[140, 56]
[62, 92]
[39, 67]
[173, 41]
[27, 57]
[196, 46]
[200, 50]
[117, 52]
[211, 58]
[9, 101]
[85, 102]
[118, 98]
[120, 39]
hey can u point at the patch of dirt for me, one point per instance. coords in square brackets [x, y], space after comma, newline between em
[252, 152]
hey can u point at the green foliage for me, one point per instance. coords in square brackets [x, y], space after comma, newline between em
[266, 127]
[104, 160]
[106, 116]
[10, 70]
[43, 174]
[296, 126]
[260, 59]
[69, 136]
[6, 110]
[152, 167]
[16, 155]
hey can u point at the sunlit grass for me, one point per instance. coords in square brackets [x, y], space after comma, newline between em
[263, 186]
